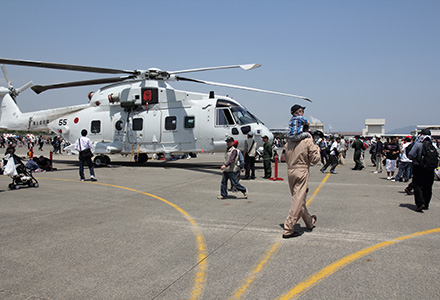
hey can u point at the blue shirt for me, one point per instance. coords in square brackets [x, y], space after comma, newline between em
[296, 125]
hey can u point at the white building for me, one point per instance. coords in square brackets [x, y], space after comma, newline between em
[374, 126]
[435, 130]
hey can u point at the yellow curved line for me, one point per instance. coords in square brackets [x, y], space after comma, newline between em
[240, 292]
[200, 279]
[314, 279]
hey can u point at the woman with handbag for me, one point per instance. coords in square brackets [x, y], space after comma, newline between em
[84, 146]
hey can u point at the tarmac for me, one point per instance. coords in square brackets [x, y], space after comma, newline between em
[158, 231]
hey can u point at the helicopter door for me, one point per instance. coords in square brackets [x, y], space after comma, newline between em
[96, 130]
[151, 127]
[178, 127]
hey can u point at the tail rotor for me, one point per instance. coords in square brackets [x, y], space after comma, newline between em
[13, 91]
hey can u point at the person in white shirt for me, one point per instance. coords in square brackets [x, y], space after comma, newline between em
[250, 151]
[333, 160]
[81, 145]
[405, 166]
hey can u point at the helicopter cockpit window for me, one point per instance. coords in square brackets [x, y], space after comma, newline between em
[138, 124]
[95, 126]
[189, 122]
[242, 116]
[170, 123]
[224, 117]
[239, 113]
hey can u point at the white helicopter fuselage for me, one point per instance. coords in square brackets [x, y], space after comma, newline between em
[152, 117]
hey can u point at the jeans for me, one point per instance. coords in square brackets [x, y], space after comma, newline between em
[81, 167]
[405, 171]
[333, 160]
[224, 185]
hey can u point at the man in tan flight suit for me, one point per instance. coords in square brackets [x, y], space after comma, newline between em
[300, 155]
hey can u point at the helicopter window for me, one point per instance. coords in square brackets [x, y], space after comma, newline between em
[224, 117]
[189, 122]
[118, 125]
[235, 131]
[95, 127]
[242, 116]
[245, 129]
[170, 123]
[138, 124]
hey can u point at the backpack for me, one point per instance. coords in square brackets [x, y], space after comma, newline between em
[240, 162]
[408, 149]
[429, 158]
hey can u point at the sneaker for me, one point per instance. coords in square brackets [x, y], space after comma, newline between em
[333, 172]
[375, 172]
[389, 177]
[322, 171]
[393, 180]
[246, 194]
[92, 178]
[82, 179]
[220, 197]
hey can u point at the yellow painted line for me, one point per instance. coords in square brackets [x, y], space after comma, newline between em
[241, 292]
[201, 275]
[318, 189]
[314, 279]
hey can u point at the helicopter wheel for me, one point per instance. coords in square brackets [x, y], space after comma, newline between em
[107, 160]
[100, 161]
[143, 158]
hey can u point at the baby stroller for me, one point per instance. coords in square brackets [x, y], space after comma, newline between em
[21, 176]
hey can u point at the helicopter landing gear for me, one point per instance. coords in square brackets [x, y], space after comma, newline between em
[101, 161]
[143, 158]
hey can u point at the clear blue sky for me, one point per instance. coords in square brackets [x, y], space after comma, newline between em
[355, 59]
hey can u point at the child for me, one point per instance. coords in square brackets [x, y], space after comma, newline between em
[296, 124]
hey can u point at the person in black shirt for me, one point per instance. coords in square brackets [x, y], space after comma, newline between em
[392, 151]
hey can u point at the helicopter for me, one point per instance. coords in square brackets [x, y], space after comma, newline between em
[140, 113]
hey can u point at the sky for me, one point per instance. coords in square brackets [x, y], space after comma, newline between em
[354, 59]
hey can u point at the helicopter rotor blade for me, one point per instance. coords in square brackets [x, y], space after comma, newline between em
[240, 87]
[24, 87]
[244, 67]
[7, 77]
[40, 64]
[41, 88]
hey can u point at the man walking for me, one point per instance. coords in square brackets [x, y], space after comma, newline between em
[229, 171]
[333, 156]
[379, 151]
[425, 159]
[358, 146]
[300, 155]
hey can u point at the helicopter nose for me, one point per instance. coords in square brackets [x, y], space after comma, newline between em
[262, 131]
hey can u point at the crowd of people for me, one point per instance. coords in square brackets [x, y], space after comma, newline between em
[414, 160]
[31, 142]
